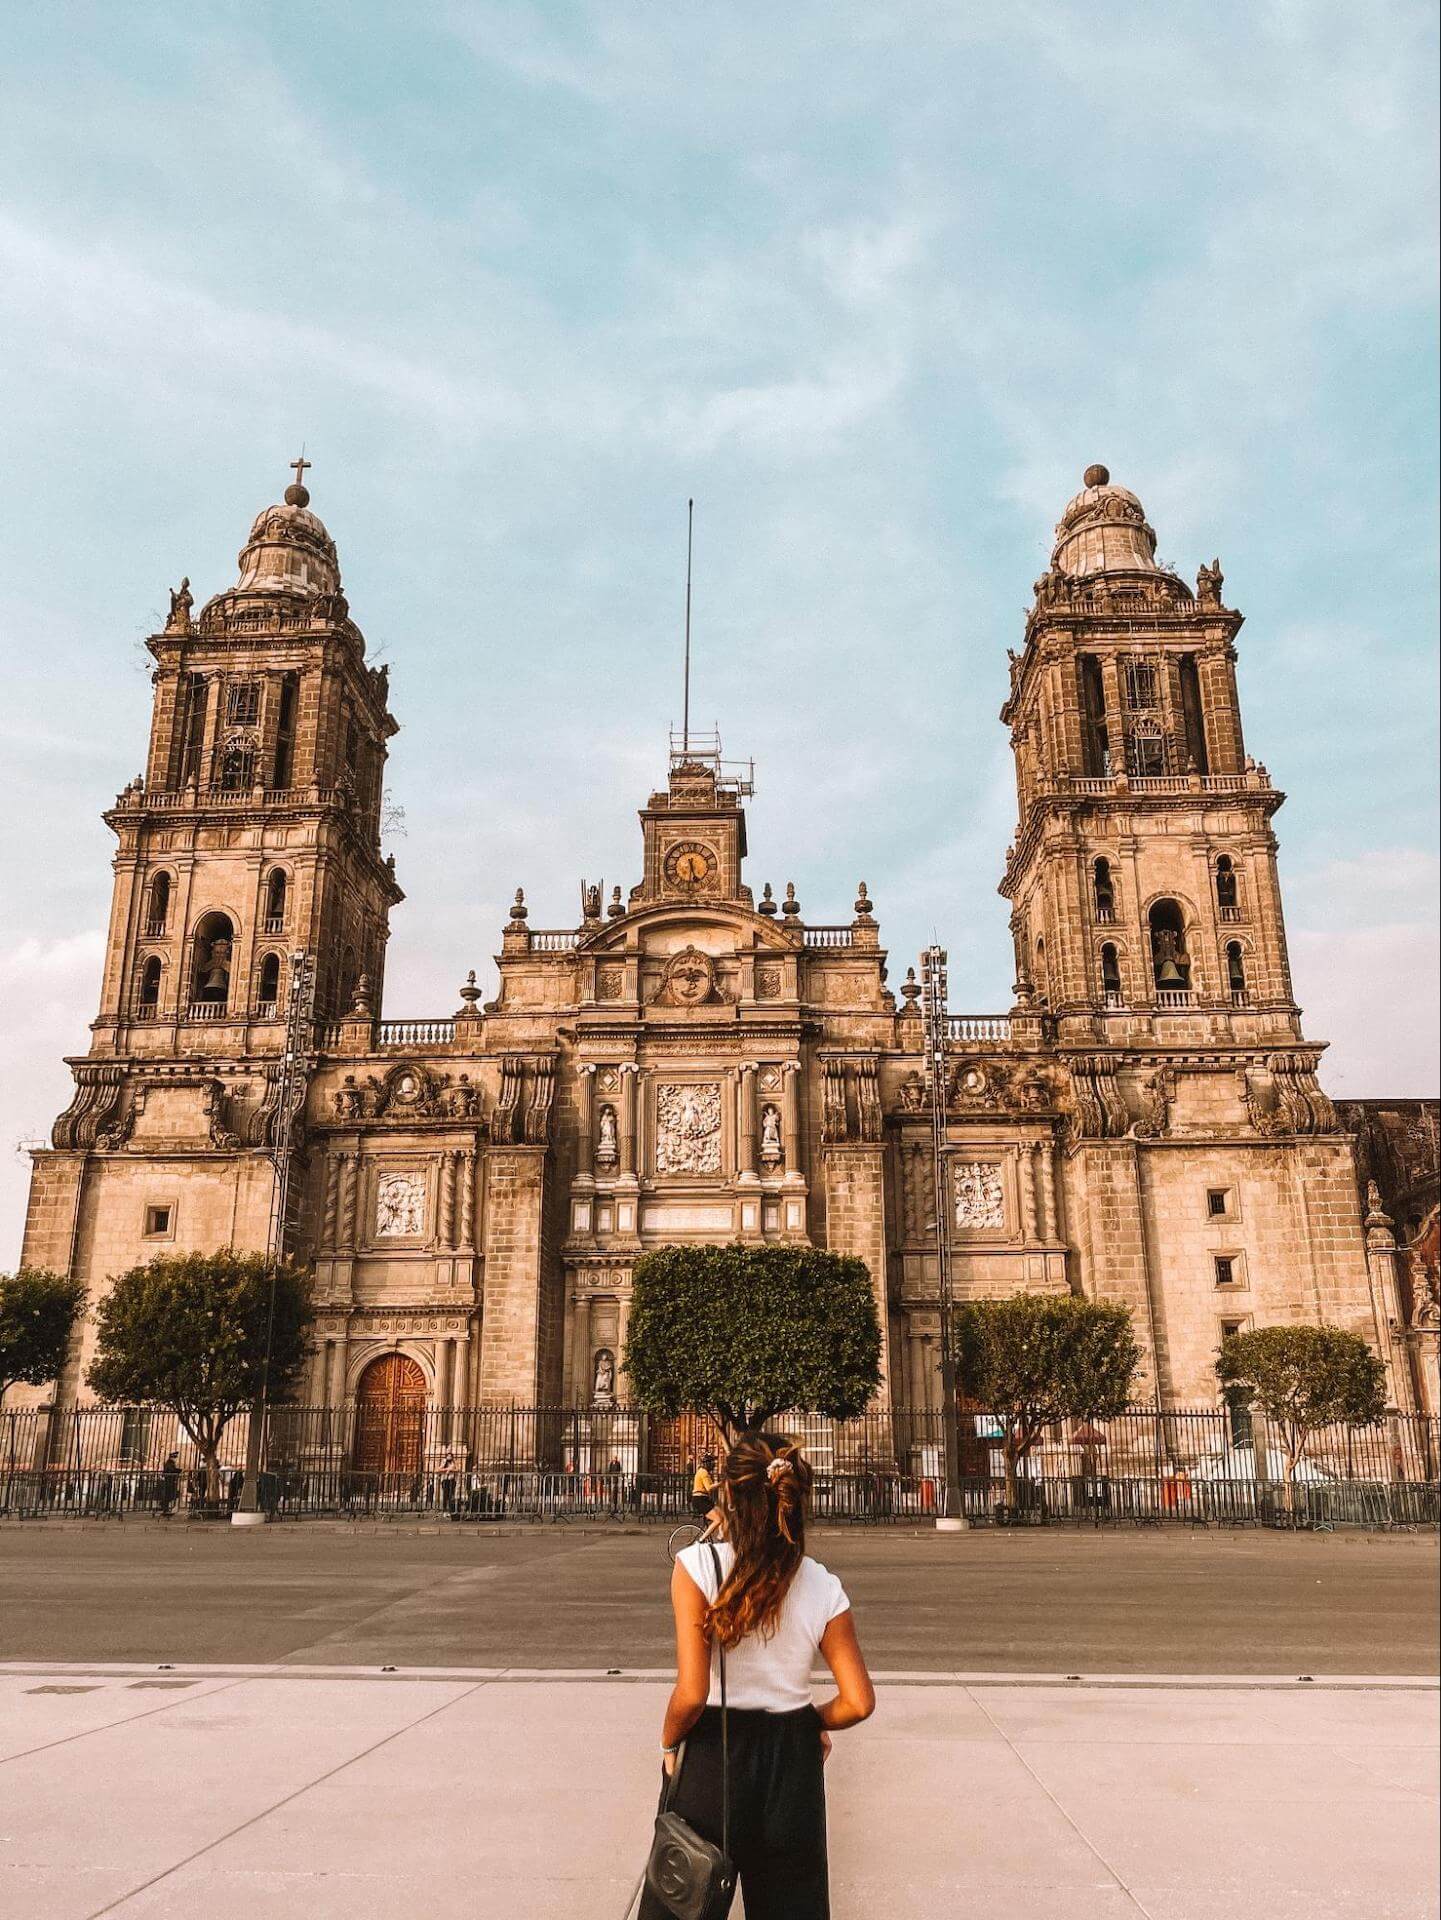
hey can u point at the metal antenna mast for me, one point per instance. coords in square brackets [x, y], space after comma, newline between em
[689, 548]
[952, 1517]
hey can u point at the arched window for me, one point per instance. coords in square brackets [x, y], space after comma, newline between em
[214, 948]
[1041, 983]
[1236, 973]
[149, 996]
[237, 764]
[1170, 963]
[1111, 976]
[1227, 898]
[268, 991]
[1105, 892]
[157, 911]
[276, 889]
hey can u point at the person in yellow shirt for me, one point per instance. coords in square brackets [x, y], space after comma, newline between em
[702, 1488]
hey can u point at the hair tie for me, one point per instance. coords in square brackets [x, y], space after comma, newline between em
[777, 1467]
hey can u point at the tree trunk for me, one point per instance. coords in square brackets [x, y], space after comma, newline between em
[1009, 1455]
[211, 1456]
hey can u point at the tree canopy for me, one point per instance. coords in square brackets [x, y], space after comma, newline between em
[1039, 1357]
[37, 1314]
[747, 1332]
[1305, 1377]
[189, 1331]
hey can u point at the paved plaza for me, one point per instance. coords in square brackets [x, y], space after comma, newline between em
[272, 1795]
[310, 1722]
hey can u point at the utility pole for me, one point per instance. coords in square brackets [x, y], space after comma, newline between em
[290, 1092]
[952, 1516]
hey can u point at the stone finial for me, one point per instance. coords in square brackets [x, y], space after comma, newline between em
[360, 1006]
[1097, 476]
[469, 995]
[519, 912]
[768, 900]
[617, 905]
[864, 909]
[791, 907]
[589, 901]
[910, 991]
[1376, 1214]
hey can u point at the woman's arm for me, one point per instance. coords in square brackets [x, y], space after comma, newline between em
[692, 1662]
[856, 1697]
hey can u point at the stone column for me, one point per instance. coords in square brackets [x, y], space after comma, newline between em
[629, 1094]
[622, 1381]
[567, 1350]
[341, 1356]
[746, 1120]
[445, 1225]
[1028, 1194]
[467, 1198]
[583, 1358]
[349, 1202]
[1052, 1227]
[585, 1121]
[791, 1118]
[332, 1201]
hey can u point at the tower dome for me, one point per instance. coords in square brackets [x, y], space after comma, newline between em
[289, 550]
[1104, 530]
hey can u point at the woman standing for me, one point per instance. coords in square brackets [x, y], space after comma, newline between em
[771, 1610]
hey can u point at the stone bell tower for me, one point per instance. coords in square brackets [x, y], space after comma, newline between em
[1143, 874]
[255, 829]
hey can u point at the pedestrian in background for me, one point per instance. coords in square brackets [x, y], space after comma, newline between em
[169, 1483]
[702, 1488]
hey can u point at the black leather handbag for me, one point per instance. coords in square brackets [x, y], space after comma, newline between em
[692, 1879]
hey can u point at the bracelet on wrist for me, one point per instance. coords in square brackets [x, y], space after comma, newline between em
[670, 1750]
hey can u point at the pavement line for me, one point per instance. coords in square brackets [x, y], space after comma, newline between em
[114, 1906]
[590, 1676]
[1085, 1839]
[129, 1720]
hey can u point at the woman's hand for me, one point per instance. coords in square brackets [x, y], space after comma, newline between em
[826, 1744]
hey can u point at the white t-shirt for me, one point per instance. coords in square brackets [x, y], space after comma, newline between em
[772, 1676]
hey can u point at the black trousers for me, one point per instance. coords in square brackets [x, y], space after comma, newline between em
[778, 1810]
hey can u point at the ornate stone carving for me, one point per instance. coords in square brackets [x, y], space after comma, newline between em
[689, 980]
[688, 1128]
[399, 1206]
[98, 1090]
[603, 1379]
[917, 1191]
[912, 1093]
[609, 983]
[772, 1152]
[216, 1117]
[1297, 1104]
[868, 1101]
[607, 1150]
[181, 601]
[1096, 1111]
[834, 1122]
[769, 980]
[1155, 1117]
[979, 1195]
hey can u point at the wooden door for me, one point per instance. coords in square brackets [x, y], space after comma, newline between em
[390, 1416]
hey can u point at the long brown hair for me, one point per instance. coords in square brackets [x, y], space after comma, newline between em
[765, 1490]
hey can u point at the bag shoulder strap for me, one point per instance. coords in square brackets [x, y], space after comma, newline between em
[725, 1723]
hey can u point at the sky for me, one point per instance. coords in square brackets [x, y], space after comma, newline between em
[874, 284]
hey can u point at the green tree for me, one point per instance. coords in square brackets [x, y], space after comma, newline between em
[189, 1331]
[747, 1332]
[1040, 1357]
[37, 1315]
[1303, 1378]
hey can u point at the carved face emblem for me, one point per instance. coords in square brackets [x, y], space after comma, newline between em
[690, 865]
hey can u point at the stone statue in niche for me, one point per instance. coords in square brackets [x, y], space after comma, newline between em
[688, 1129]
[607, 1145]
[772, 1151]
[399, 1206]
[603, 1390]
[980, 1197]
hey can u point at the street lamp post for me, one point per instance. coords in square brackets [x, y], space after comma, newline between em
[294, 1068]
[952, 1517]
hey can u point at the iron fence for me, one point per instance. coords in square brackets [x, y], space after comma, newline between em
[1211, 1466]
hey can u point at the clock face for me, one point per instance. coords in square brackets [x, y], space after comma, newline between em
[691, 865]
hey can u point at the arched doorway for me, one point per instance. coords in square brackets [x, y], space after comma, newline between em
[390, 1416]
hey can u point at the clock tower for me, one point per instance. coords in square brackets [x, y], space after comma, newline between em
[695, 832]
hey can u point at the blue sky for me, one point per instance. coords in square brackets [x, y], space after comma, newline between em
[873, 283]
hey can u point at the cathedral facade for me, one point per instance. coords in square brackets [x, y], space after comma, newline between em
[693, 1063]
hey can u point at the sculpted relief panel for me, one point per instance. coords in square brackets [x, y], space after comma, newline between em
[688, 1128]
[980, 1196]
[399, 1206]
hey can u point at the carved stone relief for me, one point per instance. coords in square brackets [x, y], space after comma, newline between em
[768, 983]
[610, 983]
[688, 1128]
[980, 1195]
[399, 1206]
